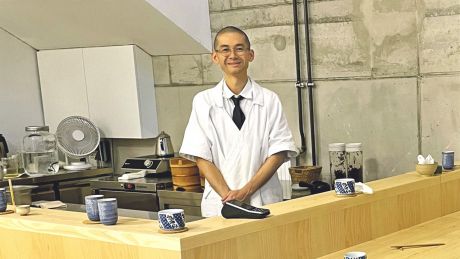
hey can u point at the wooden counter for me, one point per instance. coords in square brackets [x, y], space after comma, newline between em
[306, 227]
[441, 230]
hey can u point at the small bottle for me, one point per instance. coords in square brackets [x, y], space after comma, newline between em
[337, 161]
[354, 161]
[39, 149]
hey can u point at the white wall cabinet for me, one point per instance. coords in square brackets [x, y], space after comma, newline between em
[112, 86]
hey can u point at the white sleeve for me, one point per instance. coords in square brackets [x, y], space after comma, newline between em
[280, 136]
[196, 143]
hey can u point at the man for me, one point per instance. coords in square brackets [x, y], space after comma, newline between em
[237, 132]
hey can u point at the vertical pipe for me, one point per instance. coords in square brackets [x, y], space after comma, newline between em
[299, 83]
[310, 83]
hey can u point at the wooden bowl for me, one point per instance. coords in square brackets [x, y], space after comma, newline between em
[427, 170]
[183, 167]
[181, 180]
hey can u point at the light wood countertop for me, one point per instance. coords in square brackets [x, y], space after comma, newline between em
[306, 227]
[445, 230]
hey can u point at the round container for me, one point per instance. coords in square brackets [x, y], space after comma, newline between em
[448, 160]
[306, 174]
[39, 149]
[337, 161]
[426, 169]
[185, 173]
[186, 180]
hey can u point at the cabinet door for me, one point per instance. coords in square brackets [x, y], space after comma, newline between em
[113, 95]
[63, 87]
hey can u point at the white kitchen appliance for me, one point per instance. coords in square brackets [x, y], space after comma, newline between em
[77, 137]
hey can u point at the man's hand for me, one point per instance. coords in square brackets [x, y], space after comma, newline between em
[240, 195]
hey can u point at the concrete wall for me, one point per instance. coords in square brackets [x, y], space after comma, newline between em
[387, 74]
[20, 98]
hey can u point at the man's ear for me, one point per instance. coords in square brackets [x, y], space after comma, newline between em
[214, 57]
[251, 55]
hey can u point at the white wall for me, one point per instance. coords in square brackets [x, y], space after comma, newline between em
[20, 98]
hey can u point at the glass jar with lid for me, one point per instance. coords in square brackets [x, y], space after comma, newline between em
[355, 161]
[337, 161]
[39, 149]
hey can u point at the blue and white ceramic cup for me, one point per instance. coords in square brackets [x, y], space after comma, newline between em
[355, 255]
[171, 219]
[3, 199]
[108, 211]
[344, 186]
[448, 160]
[91, 206]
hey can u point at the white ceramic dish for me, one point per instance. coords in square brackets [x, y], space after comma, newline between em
[76, 166]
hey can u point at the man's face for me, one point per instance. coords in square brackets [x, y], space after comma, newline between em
[232, 54]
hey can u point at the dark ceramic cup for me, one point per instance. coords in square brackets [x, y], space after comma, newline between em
[108, 211]
[91, 206]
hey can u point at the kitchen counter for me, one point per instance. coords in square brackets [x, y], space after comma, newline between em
[307, 227]
[67, 186]
[61, 176]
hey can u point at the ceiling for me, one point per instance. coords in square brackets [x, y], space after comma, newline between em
[158, 27]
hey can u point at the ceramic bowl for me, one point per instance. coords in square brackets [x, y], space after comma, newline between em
[428, 169]
[23, 209]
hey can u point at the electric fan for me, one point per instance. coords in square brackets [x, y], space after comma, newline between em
[77, 137]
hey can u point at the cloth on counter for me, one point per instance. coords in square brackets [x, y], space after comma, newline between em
[49, 204]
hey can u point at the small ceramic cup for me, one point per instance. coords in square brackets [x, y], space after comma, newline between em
[108, 211]
[448, 160]
[23, 209]
[3, 199]
[91, 206]
[355, 255]
[344, 186]
[171, 219]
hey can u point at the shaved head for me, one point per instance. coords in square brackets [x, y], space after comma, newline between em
[231, 29]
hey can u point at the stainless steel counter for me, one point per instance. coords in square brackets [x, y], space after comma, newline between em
[62, 176]
[66, 186]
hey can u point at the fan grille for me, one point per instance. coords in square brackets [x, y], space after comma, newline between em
[77, 136]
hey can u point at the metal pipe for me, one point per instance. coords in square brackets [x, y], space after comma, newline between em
[310, 83]
[299, 84]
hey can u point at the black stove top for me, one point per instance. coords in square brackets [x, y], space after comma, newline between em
[149, 183]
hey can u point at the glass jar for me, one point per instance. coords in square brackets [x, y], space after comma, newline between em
[337, 161]
[39, 149]
[354, 161]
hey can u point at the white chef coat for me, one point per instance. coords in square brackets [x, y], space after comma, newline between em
[211, 134]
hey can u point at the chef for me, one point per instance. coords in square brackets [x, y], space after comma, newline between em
[237, 132]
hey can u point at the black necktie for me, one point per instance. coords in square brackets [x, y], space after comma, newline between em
[238, 115]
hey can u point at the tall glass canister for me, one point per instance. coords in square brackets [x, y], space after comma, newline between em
[354, 155]
[39, 149]
[337, 161]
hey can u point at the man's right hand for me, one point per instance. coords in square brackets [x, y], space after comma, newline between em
[213, 176]
[240, 195]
